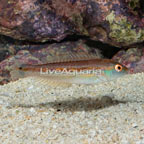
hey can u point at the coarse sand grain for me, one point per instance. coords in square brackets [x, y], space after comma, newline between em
[107, 113]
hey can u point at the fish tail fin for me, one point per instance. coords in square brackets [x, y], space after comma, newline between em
[16, 74]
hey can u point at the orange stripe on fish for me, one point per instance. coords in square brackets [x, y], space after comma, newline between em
[100, 70]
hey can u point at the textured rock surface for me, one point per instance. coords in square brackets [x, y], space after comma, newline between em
[116, 22]
[132, 58]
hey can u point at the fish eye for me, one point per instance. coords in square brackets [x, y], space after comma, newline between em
[118, 67]
[20, 68]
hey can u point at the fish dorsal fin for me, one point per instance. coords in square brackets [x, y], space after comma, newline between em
[73, 56]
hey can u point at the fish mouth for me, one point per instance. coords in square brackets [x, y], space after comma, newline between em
[128, 71]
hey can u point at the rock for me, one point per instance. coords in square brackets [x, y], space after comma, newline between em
[118, 22]
[132, 58]
[9, 47]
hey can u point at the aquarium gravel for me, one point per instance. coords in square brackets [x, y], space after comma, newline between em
[32, 112]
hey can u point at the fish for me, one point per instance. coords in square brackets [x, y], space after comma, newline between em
[86, 70]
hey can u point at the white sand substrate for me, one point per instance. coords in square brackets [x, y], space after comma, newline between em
[108, 113]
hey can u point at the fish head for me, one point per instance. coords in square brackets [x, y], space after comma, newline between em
[115, 70]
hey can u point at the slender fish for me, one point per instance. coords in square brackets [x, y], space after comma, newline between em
[89, 71]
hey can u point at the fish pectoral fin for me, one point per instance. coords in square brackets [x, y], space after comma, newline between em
[52, 82]
[103, 79]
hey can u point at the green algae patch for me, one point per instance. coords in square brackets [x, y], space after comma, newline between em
[122, 31]
[78, 21]
[133, 4]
